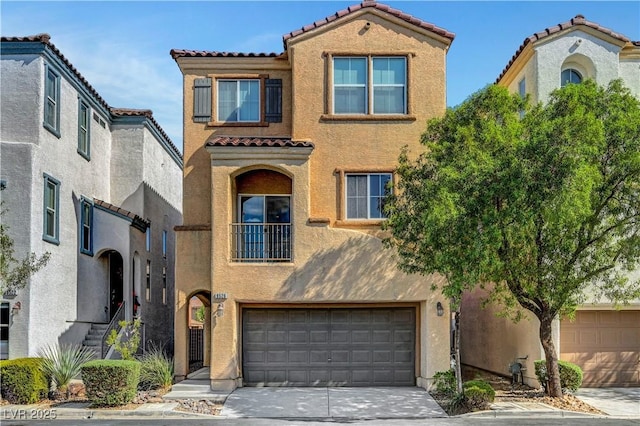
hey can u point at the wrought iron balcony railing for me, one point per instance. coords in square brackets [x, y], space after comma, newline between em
[261, 242]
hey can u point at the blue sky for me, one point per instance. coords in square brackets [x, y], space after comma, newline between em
[122, 47]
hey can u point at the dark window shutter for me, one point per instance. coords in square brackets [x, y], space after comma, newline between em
[202, 100]
[273, 101]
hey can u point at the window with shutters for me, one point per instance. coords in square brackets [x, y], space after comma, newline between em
[237, 101]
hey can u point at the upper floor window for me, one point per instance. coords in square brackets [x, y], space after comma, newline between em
[522, 91]
[86, 226]
[238, 100]
[365, 195]
[147, 291]
[164, 243]
[369, 85]
[570, 76]
[148, 238]
[52, 101]
[84, 122]
[51, 220]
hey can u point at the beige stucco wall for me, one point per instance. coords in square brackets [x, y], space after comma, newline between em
[335, 263]
[492, 342]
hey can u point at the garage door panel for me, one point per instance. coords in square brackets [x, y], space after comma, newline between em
[298, 357]
[381, 336]
[318, 357]
[334, 347]
[320, 337]
[605, 344]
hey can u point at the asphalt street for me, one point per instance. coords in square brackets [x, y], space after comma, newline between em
[453, 421]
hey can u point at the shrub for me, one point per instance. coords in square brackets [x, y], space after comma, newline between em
[478, 394]
[62, 363]
[445, 382]
[23, 380]
[570, 375]
[111, 382]
[156, 369]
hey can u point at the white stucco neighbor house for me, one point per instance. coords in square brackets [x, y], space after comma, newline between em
[97, 187]
[603, 340]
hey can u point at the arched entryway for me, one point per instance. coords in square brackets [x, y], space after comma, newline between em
[198, 330]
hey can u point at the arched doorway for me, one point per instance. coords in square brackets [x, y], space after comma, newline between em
[116, 282]
[199, 324]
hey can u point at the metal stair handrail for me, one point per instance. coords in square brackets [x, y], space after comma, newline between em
[119, 316]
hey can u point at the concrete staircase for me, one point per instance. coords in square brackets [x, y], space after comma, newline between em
[196, 386]
[93, 339]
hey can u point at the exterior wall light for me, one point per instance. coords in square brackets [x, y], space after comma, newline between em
[439, 309]
[16, 308]
[219, 310]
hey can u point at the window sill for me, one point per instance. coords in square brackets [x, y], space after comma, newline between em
[52, 130]
[84, 155]
[51, 240]
[238, 124]
[367, 117]
[359, 223]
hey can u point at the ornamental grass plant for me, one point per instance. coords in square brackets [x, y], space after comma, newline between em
[156, 369]
[62, 362]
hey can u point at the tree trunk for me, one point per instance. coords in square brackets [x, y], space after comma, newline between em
[553, 372]
[458, 366]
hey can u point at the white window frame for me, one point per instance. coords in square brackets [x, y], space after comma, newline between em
[238, 101]
[370, 85]
[368, 195]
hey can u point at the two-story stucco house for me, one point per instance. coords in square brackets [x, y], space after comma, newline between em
[97, 187]
[604, 341]
[287, 161]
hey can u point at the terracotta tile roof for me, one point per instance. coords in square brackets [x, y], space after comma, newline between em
[147, 113]
[257, 142]
[117, 112]
[136, 220]
[44, 39]
[181, 53]
[576, 21]
[374, 5]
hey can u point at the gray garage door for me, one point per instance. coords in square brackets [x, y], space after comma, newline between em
[329, 347]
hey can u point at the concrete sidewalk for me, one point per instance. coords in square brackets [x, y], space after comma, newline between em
[329, 404]
[618, 402]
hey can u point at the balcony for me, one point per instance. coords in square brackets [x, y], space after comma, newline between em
[260, 242]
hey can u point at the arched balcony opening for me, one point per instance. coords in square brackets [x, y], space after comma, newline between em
[262, 228]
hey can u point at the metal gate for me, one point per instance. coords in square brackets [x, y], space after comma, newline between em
[196, 349]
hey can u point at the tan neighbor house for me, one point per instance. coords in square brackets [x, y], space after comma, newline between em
[287, 157]
[603, 340]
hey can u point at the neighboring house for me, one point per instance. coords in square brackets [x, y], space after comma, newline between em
[99, 188]
[288, 157]
[604, 341]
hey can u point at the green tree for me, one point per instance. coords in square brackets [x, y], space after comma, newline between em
[15, 273]
[545, 208]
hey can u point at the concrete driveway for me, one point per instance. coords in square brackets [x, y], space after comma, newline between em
[334, 402]
[618, 402]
